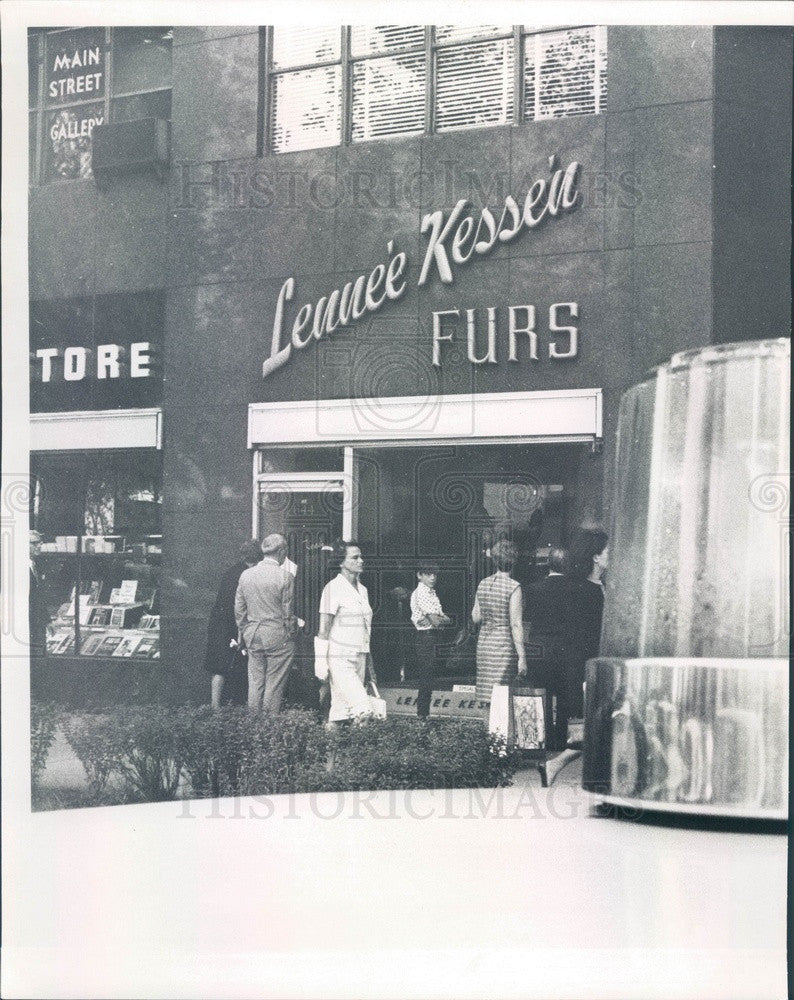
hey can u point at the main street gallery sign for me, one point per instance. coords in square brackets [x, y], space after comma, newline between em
[453, 241]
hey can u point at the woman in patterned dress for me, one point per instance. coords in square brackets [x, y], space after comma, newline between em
[498, 610]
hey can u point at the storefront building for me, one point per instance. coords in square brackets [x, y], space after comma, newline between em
[383, 283]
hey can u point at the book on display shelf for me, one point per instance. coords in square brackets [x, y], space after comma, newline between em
[66, 646]
[126, 616]
[60, 643]
[89, 589]
[143, 650]
[127, 646]
[109, 645]
[101, 615]
[150, 622]
[91, 644]
[128, 591]
[53, 641]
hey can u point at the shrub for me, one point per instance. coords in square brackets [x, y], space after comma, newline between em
[44, 718]
[214, 746]
[140, 745]
[234, 751]
[99, 745]
[399, 753]
[153, 742]
[279, 751]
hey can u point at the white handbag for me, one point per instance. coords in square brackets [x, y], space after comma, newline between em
[320, 658]
[377, 705]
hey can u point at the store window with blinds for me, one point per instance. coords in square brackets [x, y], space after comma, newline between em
[332, 85]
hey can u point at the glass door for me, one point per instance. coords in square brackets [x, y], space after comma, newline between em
[307, 511]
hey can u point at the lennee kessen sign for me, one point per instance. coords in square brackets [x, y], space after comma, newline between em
[452, 240]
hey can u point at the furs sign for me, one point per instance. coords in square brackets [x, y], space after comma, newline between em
[452, 241]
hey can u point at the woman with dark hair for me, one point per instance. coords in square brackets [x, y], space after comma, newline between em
[346, 624]
[224, 656]
[498, 610]
[589, 558]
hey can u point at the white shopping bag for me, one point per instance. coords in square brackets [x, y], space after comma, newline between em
[500, 719]
[377, 705]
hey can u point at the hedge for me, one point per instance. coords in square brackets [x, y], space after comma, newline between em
[157, 753]
[44, 718]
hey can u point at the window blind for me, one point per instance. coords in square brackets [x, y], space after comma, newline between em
[367, 39]
[474, 85]
[564, 73]
[303, 46]
[386, 76]
[306, 109]
[467, 32]
[388, 97]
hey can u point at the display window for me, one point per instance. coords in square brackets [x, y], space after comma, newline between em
[99, 515]
[79, 78]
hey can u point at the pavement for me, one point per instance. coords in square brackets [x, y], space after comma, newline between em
[63, 771]
[527, 892]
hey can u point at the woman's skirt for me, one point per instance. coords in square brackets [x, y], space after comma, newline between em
[346, 672]
[496, 660]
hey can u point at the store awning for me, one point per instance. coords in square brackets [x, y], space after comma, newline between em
[79, 430]
[558, 415]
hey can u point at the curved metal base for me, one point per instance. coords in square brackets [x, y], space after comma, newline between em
[691, 736]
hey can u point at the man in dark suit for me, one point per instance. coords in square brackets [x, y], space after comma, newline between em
[38, 613]
[225, 659]
[546, 611]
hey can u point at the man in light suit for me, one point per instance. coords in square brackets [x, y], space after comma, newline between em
[263, 609]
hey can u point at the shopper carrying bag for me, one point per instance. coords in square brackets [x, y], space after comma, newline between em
[320, 658]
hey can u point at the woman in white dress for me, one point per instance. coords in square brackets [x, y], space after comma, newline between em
[346, 622]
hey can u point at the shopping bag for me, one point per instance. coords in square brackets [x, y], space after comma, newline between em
[320, 658]
[528, 713]
[377, 705]
[500, 718]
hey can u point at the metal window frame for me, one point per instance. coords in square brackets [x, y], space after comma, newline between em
[341, 482]
[597, 64]
[460, 43]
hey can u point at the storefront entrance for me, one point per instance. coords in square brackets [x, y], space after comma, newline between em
[414, 478]
[448, 503]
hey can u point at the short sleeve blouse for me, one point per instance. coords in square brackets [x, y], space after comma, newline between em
[351, 612]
